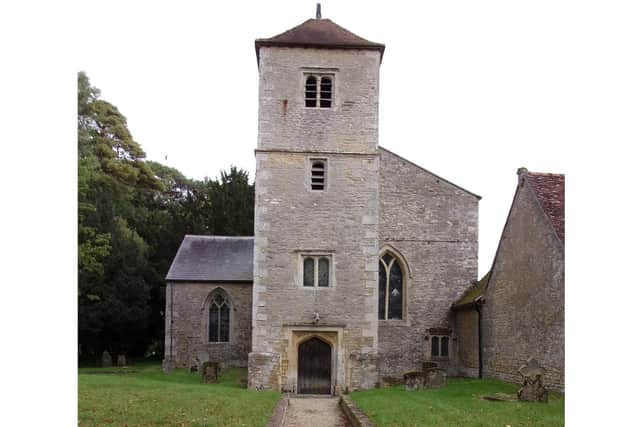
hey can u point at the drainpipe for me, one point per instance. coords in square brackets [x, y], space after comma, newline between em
[478, 306]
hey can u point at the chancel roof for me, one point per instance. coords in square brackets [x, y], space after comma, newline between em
[214, 259]
[549, 189]
[319, 33]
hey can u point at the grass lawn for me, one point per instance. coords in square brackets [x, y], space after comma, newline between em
[148, 397]
[457, 404]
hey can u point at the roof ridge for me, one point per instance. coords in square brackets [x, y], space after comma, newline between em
[545, 174]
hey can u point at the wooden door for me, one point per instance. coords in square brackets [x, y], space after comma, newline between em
[314, 367]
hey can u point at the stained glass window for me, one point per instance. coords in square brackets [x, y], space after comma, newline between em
[382, 290]
[390, 288]
[219, 319]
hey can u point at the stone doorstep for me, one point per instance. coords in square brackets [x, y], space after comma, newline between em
[314, 396]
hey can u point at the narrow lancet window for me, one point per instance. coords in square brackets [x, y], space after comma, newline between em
[219, 319]
[390, 289]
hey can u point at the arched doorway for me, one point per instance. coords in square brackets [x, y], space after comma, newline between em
[314, 367]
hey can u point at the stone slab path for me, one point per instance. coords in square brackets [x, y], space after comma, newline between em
[314, 412]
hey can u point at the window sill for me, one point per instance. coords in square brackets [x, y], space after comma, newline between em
[394, 322]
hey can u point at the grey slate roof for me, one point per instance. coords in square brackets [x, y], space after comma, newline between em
[213, 259]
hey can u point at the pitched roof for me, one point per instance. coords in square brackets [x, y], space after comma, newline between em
[319, 33]
[475, 291]
[213, 258]
[381, 148]
[549, 189]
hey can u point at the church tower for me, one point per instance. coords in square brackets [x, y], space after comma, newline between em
[315, 292]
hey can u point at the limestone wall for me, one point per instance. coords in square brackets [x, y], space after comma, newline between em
[351, 125]
[434, 226]
[524, 312]
[291, 220]
[186, 338]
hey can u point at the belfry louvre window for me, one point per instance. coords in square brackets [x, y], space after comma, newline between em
[219, 316]
[318, 174]
[390, 288]
[315, 271]
[318, 91]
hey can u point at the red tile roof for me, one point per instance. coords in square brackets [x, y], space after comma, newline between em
[549, 189]
[319, 33]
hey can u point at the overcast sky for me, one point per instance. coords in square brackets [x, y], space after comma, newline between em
[469, 90]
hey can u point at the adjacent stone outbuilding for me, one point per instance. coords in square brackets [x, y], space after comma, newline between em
[208, 302]
[520, 303]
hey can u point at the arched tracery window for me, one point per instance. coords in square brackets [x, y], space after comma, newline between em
[390, 288]
[219, 318]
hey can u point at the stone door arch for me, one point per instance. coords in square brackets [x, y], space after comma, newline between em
[314, 367]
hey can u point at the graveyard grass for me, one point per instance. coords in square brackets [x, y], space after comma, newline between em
[142, 395]
[457, 404]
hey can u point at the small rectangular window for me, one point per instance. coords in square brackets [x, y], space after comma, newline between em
[444, 346]
[316, 270]
[435, 346]
[309, 271]
[323, 272]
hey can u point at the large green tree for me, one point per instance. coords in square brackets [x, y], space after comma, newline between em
[132, 216]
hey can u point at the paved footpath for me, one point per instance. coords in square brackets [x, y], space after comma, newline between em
[314, 412]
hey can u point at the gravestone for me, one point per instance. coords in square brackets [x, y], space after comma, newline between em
[435, 378]
[122, 360]
[106, 361]
[533, 389]
[414, 381]
[430, 377]
[210, 371]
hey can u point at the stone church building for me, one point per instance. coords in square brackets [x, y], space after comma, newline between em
[358, 254]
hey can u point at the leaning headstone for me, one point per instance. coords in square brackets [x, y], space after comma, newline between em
[106, 360]
[122, 360]
[435, 378]
[413, 381]
[533, 389]
[210, 371]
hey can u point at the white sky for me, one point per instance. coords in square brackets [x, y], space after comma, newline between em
[469, 90]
